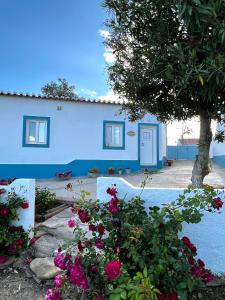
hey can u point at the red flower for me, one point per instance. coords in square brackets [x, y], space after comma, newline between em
[191, 260]
[112, 191]
[74, 210]
[3, 259]
[4, 212]
[101, 229]
[71, 223]
[112, 269]
[20, 242]
[171, 296]
[2, 191]
[83, 216]
[188, 243]
[217, 203]
[99, 243]
[94, 269]
[24, 205]
[12, 246]
[80, 246]
[92, 227]
[33, 241]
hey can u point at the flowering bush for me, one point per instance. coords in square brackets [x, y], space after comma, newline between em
[12, 238]
[125, 252]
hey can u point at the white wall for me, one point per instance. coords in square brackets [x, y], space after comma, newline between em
[76, 131]
[25, 188]
[208, 235]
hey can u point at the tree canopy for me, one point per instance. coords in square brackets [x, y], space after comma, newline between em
[169, 56]
[59, 89]
[170, 61]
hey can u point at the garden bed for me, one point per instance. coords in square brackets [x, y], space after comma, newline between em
[57, 208]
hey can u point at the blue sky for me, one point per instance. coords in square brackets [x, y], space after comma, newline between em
[42, 40]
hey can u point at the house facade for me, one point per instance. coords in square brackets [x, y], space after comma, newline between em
[218, 149]
[42, 136]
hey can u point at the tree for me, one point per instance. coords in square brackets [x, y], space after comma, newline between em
[169, 61]
[60, 89]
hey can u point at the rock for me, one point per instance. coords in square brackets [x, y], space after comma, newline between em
[44, 268]
[40, 233]
[58, 225]
[46, 245]
[8, 263]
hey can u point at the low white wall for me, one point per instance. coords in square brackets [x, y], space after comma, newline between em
[25, 188]
[208, 235]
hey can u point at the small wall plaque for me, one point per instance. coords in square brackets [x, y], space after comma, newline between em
[131, 133]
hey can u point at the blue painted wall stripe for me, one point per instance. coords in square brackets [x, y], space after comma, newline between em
[79, 168]
[182, 152]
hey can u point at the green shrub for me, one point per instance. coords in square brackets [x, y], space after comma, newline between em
[44, 199]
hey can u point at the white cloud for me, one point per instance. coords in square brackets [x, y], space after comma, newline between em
[109, 57]
[110, 96]
[108, 54]
[88, 93]
[104, 33]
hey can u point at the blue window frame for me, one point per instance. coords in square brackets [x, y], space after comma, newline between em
[114, 135]
[36, 131]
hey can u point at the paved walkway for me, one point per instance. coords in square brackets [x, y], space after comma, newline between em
[178, 175]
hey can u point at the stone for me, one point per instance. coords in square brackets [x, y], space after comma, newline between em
[46, 246]
[58, 225]
[44, 268]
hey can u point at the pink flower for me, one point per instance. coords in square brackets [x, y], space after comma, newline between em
[112, 269]
[112, 191]
[83, 216]
[52, 295]
[113, 205]
[71, 223]
[77, 275]
[62, 261]
[217, 203]
[99, 243]
[58, 281]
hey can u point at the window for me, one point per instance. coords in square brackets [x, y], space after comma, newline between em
[36, 131]
[114, 135]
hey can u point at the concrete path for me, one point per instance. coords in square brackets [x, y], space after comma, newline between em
[178, 175]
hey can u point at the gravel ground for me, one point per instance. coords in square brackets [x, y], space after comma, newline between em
[16, 286]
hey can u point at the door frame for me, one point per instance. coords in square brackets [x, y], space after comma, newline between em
[157, 143]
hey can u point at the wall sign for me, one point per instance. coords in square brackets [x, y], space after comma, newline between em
[131, 133]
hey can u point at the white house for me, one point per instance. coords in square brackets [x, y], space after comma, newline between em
[41, 136]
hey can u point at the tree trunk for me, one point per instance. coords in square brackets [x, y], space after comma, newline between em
[201, 166]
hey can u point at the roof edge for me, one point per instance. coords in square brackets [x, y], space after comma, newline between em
[77, 99]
